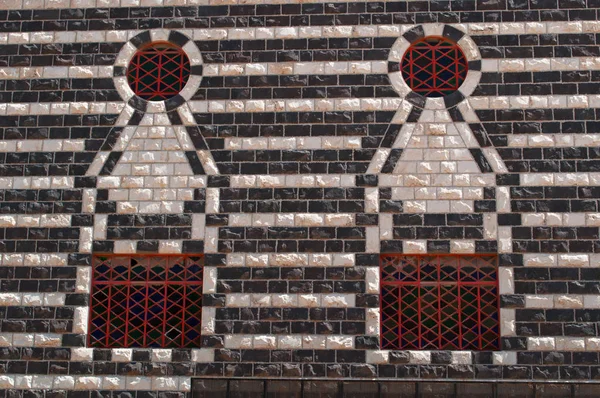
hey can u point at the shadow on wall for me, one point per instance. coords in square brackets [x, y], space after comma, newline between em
[233, 388]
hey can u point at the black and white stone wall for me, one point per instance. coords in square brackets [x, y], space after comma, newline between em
[295, 155]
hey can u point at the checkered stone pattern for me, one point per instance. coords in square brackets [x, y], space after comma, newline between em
[294, 158]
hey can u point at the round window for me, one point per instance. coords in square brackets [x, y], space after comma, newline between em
[158, 71]
[434, 67]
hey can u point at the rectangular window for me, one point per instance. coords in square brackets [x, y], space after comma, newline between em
[439, 302]
[146, 301]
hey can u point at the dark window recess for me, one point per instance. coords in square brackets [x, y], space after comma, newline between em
[146, 301]
[439, 302]
[158, 72]
[434, 67]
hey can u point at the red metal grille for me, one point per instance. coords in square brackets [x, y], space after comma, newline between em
[158, 72]
[153, 301]
[439, 302]
[434, 67]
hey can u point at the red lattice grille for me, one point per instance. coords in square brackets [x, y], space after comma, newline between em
[153, 301]
[158, 72]
[439, 302]
[434, 67]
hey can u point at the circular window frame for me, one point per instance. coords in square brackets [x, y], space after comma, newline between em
[160, 91]
[407, 67]
[467, 45]
[150, 37]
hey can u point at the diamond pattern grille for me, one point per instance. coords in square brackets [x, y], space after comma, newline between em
[439, 302]
[153, 301]
[434, 67]
[158, 72]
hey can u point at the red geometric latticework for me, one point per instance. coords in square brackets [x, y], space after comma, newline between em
[158, 72]
[153, 301]
[439, 302]
[434, 67]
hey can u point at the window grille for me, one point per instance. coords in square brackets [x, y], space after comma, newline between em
[439, 302]
[434, 67]
[146, 301]
[158, 72]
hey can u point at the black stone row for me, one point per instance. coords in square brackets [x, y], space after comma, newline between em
[351, 13]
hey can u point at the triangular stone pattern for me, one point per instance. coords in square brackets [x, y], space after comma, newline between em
[153, 158]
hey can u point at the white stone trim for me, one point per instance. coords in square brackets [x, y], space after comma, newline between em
[579, 101]
[508, 322]
[540, 64]
[29, 259]
[294, 105]
[561, 219]
[290, 300]
[84, 383]
[287, 342]
[53, 72]
[292, 219]
[378, 160]
[33, 299]
[553, 140]
[42, 145]
[560, 179]
[37, 182]
[203, 355]
[574, 301]
[290, 143]
[35, 220]
[563, 344]
[60, 108]
[296, 68]
[292, 181]
[291, 259]
[30, 340]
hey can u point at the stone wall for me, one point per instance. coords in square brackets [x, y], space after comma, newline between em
[294, 157]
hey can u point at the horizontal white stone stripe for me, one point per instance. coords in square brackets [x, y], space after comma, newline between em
[418, 357]
[433, 193]
[32, 299]
[561, 219]
[420, 246]
[553, 140]
[30, 340]
[331, 300]
[30, 259]
[560, 179]
[292, 181]
[297, 105]
[562, 260]
[289, 342]
[437, 180]
[490, 28]
[44, 145]
[290, 143]
[147, 194]
[540, 64]
[291, 220]
[563, 343]
[55, 72]
[291, 260]
[94, 383]
[35, 220]
[536, 101]
[37, 182]
[296, 68]
[151, 182]
[60, 108]
[573, 301]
